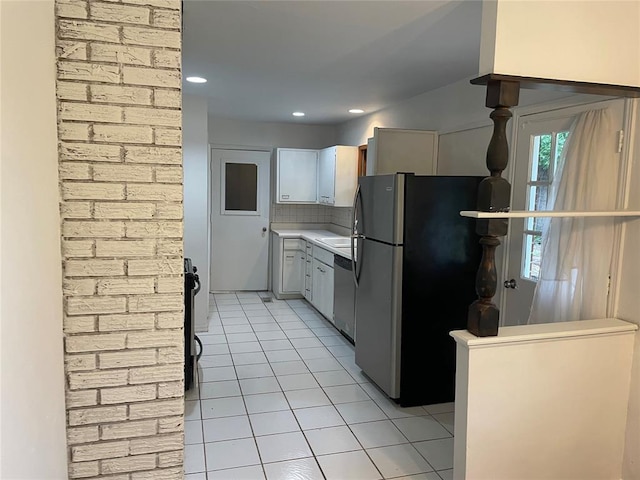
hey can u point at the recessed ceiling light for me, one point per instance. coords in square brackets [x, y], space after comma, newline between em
[356, 110]
[298, 114]
[196, 80]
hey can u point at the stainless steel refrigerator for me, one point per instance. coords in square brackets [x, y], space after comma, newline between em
[415, 268]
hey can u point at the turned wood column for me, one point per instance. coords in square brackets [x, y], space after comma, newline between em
[493, 196]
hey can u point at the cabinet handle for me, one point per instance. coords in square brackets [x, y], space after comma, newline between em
[289, 256]
[284, 197]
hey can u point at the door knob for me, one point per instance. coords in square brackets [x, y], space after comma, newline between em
[264, 229]
[511, 283]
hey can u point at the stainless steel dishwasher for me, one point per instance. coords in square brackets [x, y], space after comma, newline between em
[344, 297]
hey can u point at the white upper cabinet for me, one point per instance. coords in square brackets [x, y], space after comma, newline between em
[337, 175]
[297, 176]
[393, 150]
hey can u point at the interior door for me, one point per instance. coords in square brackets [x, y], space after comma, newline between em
[239, 219]
[540, 141]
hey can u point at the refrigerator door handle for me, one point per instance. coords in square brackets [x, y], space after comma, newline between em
[355, 263]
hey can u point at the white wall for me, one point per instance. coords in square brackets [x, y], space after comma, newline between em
[196, 197]
[586, 40]
[32, 374]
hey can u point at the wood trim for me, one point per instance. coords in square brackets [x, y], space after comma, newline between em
[562, 85]
[362, 160]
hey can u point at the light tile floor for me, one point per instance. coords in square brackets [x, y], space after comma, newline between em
[280, 397]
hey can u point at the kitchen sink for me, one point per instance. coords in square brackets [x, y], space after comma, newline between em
[337, 242]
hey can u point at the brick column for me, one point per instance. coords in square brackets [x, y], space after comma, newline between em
[119, 131]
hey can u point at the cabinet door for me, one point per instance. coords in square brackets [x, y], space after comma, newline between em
[398, 150]
[326, 175]
[317, 285]
[297, 176]
[292, 267]
[308, 273]
[345, 175]
[328, 289]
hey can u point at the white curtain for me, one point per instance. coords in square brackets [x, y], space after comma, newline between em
[577, 252]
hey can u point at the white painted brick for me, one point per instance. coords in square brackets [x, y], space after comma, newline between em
[120, 54]
[138, 393]
[167, 19]
[127, 358]
[170, 247]
[124, 210]
[165, 338]
[79, 324]
[92, 229]
[77, 363]
[175, 473]
[173, 4]
[78, 30]
[94, 305]
[171, 459]
[93, 268]
[163, 266]
[91, 152]
[89, 416]
[171, 354]
[88, 72]
[128, 464]
[168, 136]
[153, 116]
[77, 435]
[139, 428]
[71, 91]
[167, 58]
[125, 286]
[170, 320]
[168, 372]
[156, 303]
[170, 211]
[90, 112]
[158, 155]
[151, 77]
[70, 50]
[122, 134]
[171, 390]
[71, 8]
[169, 174]
[98, 451]
[167, 98]
[74, 171]
[138, 321]
[163, 193]
[92, 191]
[119, 13]
[125, 248]
[76, 210]
[77, 286]
[172, 424]
[110, 172]
[77, 248]
[158, 443]
[154, 230]
[119, 94]
[170, 284]
[83, 470]
[92, 343]
[81, 398]
[73, 131]
[97, 379]
[151, 37]
[160, 408]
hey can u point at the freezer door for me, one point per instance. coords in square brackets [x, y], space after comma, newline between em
[381, 209]
[378, 315]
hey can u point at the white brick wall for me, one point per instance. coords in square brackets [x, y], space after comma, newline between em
[120, 152]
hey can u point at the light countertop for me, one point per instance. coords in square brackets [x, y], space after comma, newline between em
[314, 237]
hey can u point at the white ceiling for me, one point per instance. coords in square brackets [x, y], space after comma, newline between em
[266, 59]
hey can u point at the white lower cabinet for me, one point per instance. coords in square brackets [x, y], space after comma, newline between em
[322, 284]
[308, 270]
[288, 267]
[293, 268]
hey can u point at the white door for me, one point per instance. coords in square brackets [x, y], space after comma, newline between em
[239, 219]
[540, 139]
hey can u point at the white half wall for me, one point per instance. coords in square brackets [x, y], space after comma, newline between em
[32, 418]
[196, 198]
[587, 40]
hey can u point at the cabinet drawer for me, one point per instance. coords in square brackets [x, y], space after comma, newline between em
[324, 256]
[294, 244]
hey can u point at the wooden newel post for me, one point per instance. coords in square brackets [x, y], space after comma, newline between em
[493, 196]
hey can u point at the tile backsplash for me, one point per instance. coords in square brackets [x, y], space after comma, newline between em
[340, 216]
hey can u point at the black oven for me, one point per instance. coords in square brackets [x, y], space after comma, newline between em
[191, 289]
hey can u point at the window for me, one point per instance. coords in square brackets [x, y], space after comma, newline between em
[240, 188]
[545, 151]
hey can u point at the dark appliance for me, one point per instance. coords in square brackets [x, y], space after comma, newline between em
[344, 296]
[191, 289]
[415, 271]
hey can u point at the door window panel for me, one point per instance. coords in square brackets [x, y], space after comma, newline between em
[240, 188]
